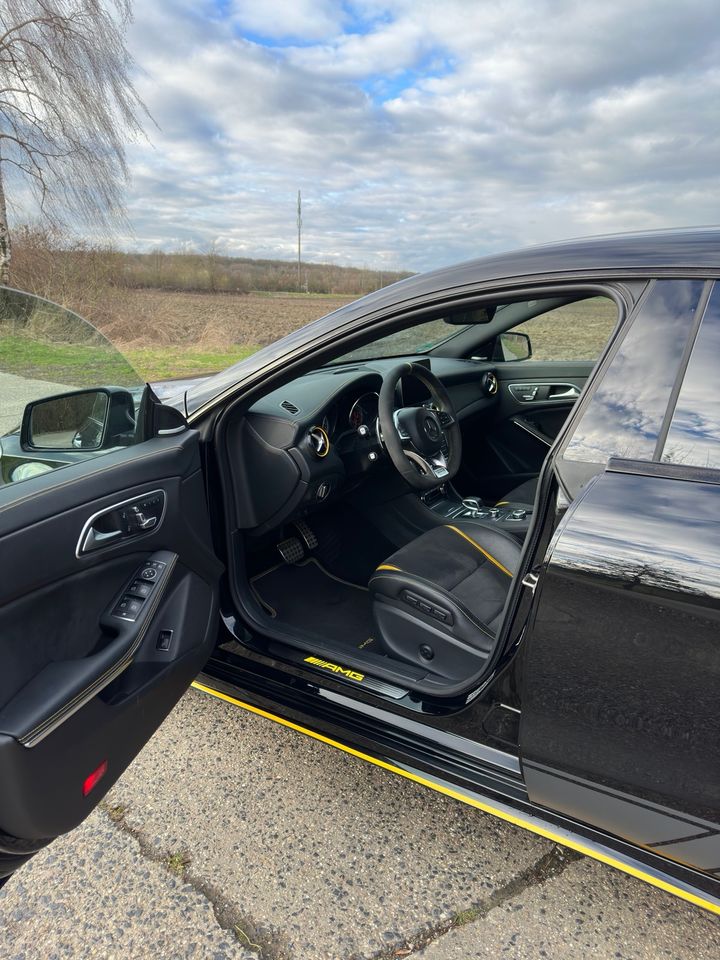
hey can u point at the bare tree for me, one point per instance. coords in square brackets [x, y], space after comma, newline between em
[68, 106]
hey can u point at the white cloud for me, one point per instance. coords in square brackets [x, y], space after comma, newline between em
[423, 132]
[305, 19]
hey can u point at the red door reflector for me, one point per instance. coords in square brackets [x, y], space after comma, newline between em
[95, 777]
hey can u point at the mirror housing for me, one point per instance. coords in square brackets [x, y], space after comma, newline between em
[97, 419]
[511, 345]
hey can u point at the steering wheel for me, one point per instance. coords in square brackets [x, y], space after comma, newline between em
[424, 443]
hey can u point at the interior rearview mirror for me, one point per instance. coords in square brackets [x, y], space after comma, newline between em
[82, 420]
[512, 346]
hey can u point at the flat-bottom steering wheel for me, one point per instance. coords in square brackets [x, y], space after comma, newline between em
[424, 443]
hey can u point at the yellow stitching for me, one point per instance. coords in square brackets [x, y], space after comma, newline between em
[477, 546]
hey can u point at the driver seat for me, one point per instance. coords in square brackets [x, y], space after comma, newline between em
[439, 600]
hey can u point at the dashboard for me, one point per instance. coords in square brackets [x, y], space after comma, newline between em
[307, 442]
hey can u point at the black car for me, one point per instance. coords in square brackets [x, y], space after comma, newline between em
[467, 528]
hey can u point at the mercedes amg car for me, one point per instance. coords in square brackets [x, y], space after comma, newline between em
[465, 527]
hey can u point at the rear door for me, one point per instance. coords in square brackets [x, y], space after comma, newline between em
[620, 726]
[108, 593]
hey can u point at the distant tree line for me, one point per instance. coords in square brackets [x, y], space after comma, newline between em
[48, 263]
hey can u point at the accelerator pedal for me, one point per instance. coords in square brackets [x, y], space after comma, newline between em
[309, 538]
[291, 550]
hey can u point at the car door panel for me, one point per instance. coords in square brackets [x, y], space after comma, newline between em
[505, 447]
[81, 689]
[620, 726]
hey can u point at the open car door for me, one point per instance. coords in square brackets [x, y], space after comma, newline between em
[108, 593]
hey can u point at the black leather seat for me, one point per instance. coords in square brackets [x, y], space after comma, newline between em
[524, 493]
[438, 601]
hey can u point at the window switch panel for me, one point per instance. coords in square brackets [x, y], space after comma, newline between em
[141, 588]
[128, 608]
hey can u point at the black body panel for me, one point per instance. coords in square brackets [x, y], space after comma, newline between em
[621, 707]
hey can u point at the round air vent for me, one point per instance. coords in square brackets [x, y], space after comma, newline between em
[490, 384]
[319, 441]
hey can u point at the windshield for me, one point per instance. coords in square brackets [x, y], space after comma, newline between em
[418, 339]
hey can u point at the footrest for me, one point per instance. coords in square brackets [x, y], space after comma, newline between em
[303, 528]
[291, 550]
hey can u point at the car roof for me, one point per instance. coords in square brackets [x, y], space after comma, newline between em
[688, 250]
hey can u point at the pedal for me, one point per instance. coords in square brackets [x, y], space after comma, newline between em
[309, 538]
[291, 550]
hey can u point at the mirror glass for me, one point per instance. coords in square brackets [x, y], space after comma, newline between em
[514, 346]
[73, 422]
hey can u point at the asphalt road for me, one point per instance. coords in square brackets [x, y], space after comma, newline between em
[307, 852]
[16, 391]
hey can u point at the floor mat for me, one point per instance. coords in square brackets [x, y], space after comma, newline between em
[306, 595]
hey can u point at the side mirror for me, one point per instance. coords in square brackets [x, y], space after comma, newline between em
[82, 420]
[512, 346]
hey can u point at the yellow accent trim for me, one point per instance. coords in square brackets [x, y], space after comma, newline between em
[477, 546]
[336, 668]
[502, 503]
[323, 431]
[515, 819]
[388, 566]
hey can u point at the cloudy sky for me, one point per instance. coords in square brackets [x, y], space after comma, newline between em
[422, 132]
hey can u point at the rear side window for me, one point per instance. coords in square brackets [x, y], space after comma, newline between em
[694, 435]
[625, 414]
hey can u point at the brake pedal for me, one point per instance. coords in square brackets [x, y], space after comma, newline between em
[309, 538]
[291, 550]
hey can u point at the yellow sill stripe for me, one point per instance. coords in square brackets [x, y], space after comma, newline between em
[560, 837]
[478, 547]
[388, 566]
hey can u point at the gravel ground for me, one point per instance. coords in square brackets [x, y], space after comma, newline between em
[306, 852]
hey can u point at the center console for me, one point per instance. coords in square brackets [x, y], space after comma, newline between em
[447, 502]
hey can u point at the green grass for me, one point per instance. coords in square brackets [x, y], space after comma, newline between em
[464, 917]
[161, 363]
[81, 365]
[177, 862]
[77, 365]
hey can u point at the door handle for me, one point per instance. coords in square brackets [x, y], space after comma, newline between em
[122, 521]
[95, 538]
[563, 391]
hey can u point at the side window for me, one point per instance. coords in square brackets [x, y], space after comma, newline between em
[575, 331]
[625, 414]
[66, 394]
[694, 435]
